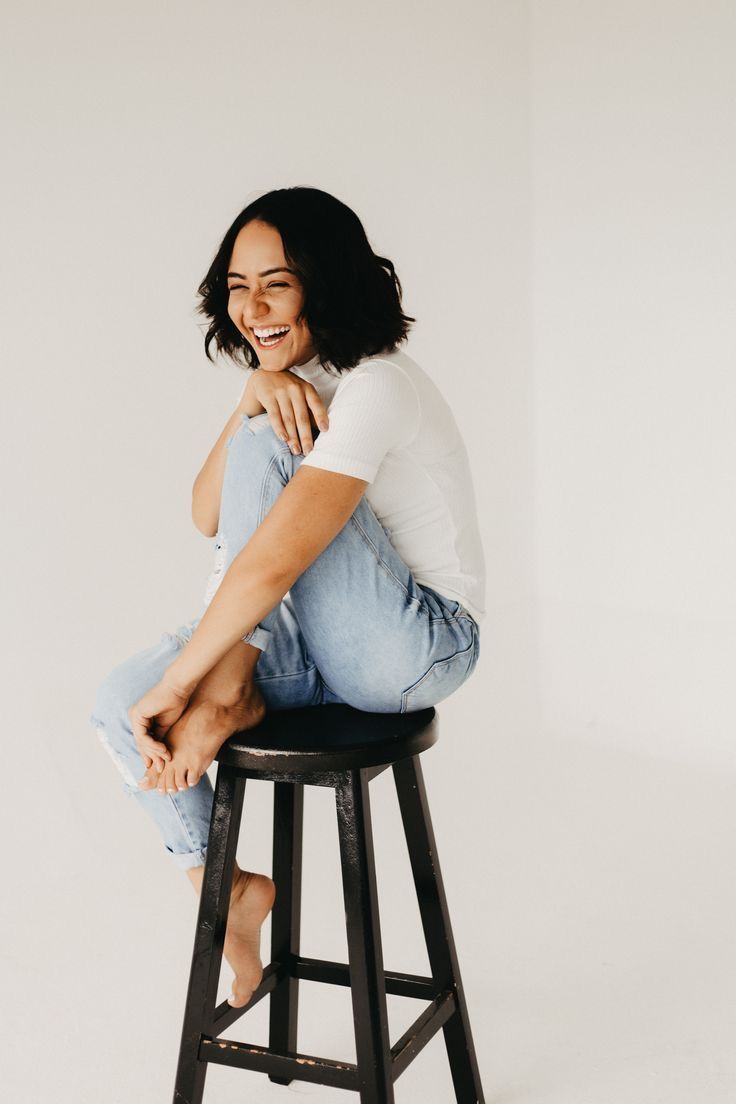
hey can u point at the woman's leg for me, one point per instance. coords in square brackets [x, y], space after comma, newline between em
[355, 626]
[183, 818]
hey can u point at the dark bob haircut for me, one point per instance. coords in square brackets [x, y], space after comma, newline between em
[352, 297]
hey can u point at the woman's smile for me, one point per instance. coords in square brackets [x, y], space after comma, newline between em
[268, 337]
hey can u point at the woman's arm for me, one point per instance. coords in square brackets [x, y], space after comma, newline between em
[308, 514]
[207, 488]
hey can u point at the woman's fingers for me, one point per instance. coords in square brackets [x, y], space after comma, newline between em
[291, 403]
[318, 408]
[287, 417]
[274, 416]
[304, 426]
[151, 751]
[295, 414]
[308, 405]
[149, 746]
[149, 779]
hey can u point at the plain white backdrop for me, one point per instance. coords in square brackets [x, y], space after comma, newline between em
[554, 183]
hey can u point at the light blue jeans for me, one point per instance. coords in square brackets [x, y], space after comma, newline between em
[355, 627]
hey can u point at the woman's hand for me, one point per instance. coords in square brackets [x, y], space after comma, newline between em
[199, 734]
[291, 404]
[152, 716]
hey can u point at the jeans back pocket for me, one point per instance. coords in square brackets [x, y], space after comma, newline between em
[443, 678]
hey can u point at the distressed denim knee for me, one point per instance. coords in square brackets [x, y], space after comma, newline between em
[182, 819]
[110, 720]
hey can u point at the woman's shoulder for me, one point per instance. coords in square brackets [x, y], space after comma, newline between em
[379, 392]
[390, 361]
[389, 375]
[400, 378]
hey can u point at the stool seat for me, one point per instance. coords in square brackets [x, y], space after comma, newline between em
[327, 738]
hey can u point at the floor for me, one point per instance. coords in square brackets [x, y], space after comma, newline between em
[593, 901]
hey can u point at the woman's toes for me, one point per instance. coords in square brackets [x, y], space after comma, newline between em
[149, 779]
[239, 996]
[166, 780]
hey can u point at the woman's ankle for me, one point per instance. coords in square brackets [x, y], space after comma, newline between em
[240, 879]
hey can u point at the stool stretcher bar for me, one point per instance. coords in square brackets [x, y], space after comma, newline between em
[338, 973]
[319, 969]
[324, 1071]
[416, 1037]
[302, 1067]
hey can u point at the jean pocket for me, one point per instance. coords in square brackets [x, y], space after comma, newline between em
[443, 678]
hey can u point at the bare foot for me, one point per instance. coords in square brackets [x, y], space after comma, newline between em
[251, 900]
[198, 735]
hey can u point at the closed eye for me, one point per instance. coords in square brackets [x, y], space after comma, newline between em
[244, 287]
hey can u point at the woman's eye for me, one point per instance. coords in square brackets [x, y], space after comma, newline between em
[242, 287]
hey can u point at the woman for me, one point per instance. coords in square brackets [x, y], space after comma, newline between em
[348, 562]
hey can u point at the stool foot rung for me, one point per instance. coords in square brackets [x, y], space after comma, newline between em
[225, 1014]
[338, 973]
[303, 1067]
[416, 1037]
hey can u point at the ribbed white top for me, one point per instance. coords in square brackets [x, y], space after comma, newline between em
[390, 425]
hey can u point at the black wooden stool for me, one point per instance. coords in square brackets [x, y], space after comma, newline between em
[329, 745]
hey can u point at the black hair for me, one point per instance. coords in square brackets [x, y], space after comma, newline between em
[352, 297]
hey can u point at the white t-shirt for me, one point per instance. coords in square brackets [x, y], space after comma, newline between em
[390, 425]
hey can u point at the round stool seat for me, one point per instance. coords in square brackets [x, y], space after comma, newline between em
[331, 737]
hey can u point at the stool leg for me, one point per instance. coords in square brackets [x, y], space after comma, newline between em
[210, 933]
[288, 819]
[365, 955]
[436, 923]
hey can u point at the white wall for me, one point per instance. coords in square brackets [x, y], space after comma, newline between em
[634, 266]
[135, 133]
[554, 182]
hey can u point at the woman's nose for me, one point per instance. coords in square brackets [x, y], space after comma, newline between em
[254, 311]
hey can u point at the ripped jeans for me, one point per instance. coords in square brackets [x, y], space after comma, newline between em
[355, 628]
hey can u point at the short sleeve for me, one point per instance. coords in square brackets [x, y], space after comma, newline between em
[374, 409]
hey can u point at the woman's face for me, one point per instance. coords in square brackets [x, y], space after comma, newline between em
[265, 293]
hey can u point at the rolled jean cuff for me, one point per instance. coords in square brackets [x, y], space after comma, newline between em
[185, 860]
[258, 637]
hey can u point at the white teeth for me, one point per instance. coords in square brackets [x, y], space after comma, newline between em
[269, 331]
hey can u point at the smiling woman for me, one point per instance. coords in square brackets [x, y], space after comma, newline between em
[348, 563]
[267, 311]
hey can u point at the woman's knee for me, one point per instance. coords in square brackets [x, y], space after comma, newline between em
[130, 680]
[115, 695]
[262, 450]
